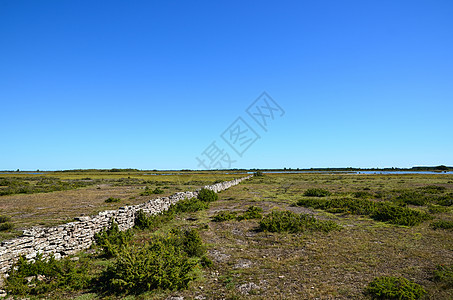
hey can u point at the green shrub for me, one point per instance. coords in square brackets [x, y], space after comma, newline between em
[362, 195]
[388, 287]
[158, 191]
[158, 265]
[252, 212]
[224, 216]
[207, 195]
[112, 240]
[442, 224]
[445, 200]
[189, 205]
[112, 200]
[206, 261]
[413, 198]
[436, 209]
[189, 241]
[433, 189]
[143, 221]
[399, 215]
[149, 192]
[317, 192]
[258, 174]
[6, 226]
[45, 275]
[379, 211]
[444, 274]
[287, 221]
[344, 205]
[4, 219]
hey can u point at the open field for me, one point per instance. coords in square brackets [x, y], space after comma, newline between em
[251, 263]
[61, 206]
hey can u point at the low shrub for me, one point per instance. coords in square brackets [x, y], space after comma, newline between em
[189, 241]
[149, 192]
[442, 224]
[398, 215]
[252, 212]
[207, 195]
[258, 174]
[6, 226]
[379, 211]
[317, 192]
[143, 221]
[112, 200]
[287, 221]
[437, 209]
[189, 205]
[224, 216]
[112, 240]
[158, 265]
[413, 198]
[362, 195]
[444, 274]
[433, 189]
[46, 274]
[158, 191]
[388, 287]
[206, 262]
[444, 200]
[344, 205]
[4, 219]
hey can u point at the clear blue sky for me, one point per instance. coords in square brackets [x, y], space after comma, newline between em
[151, 84]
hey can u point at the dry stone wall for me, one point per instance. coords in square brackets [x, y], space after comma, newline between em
[72, 237]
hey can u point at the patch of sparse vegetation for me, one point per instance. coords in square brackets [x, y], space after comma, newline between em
[149, 192]
[31, 185]
[224, 216]
[253, 212]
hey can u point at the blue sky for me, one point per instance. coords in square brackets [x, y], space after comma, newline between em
[151, 84]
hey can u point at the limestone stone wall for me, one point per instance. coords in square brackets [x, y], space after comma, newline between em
[69, 238]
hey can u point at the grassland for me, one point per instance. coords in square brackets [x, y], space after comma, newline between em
[249, 263]
[72, 194]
